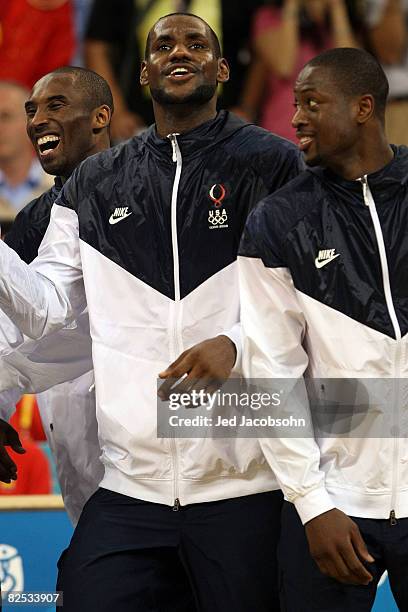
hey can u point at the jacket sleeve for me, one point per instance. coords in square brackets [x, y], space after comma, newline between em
[8, 401]
[234, 334]
[273, 327]
[49, 293]
[38, 365]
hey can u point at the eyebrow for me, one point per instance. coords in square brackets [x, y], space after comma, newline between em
[190, 36]
[305, 90]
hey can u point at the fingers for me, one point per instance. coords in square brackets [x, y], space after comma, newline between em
[185, 387]
[337, 547]
[360, 545]
[343, 564]
[9, 437]
[179, 367]
[357, 573]
[8, 469]
[13, 440]
[204, 367]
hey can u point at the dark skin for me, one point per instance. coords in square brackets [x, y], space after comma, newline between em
[207, 365]
[346, 135]
[343, 134]
[57, 107]
[184, 44]
[8, 437]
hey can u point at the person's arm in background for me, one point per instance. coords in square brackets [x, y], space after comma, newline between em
[387, 30]
[252, 91]
[101, 38]
[124, 122]
[342, 32]
[276, 37]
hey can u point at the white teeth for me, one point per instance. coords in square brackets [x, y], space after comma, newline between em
[44, 139]
[179, 71]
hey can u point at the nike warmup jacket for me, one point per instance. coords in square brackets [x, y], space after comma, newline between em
[147, 235]
[324, 291]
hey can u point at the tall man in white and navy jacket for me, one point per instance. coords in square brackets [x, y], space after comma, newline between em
[324, 291]
[146, 235]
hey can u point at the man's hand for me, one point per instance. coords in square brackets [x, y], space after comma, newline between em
[336, 545]
[207, 365]
[8, 437]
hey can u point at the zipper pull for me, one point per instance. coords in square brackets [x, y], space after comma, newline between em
[173, 141]
[365, 187]
[393, 520]
[176, 506]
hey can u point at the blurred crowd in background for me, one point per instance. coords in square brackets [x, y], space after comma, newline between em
[265, 42]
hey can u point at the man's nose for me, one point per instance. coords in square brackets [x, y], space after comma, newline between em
[180, 51]
[299, 118]
[39, 118]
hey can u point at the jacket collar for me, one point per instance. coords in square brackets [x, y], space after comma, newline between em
[192, 143]
[396, 171]
[391, 176]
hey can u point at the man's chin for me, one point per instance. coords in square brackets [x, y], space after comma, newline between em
[312, 160]
[197, 97]
[51, 166]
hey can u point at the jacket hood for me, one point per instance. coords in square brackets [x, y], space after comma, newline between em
[194, 142]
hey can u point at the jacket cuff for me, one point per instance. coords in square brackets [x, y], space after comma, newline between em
[312, 504]
[234, 334]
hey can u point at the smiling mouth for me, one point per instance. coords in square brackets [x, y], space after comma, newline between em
[305, 142]
[180, 73]
[47, 144]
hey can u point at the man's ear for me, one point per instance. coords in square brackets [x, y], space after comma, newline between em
[223, 72]
[144, 80]
[101, 117]
[365, 108]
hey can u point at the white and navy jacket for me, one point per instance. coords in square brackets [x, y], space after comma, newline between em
[68, 410]
[147, 235]
[324, 291]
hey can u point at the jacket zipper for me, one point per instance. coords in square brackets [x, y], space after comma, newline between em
[369, 201]
[175, 318]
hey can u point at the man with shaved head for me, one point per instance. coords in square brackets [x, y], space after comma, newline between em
[324, 293]
[67, 119]
[146, 234]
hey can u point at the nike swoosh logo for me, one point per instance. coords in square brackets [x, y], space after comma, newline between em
[113, 220]
[323, 262]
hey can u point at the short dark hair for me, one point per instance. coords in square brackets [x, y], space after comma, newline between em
[356, 72]
[214, 37]
[94, 87]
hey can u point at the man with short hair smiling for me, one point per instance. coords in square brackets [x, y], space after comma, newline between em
[136, 234]
[324, 292]
[68, 118]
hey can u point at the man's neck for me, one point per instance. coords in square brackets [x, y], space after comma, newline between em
[364, 161]
[179, 118]
[16, 170]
